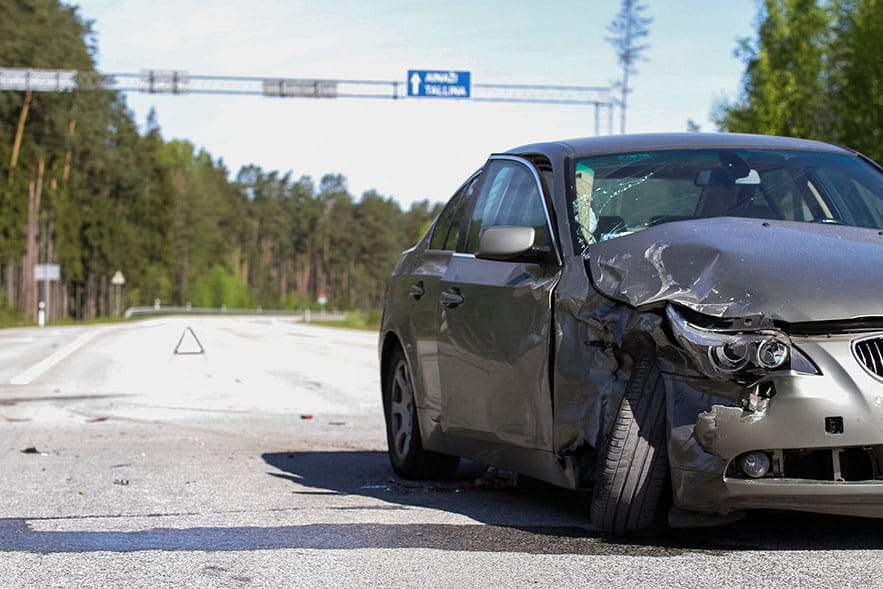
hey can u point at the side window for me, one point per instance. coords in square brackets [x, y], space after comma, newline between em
[509, 195]
[853, 204]
[447, 228]
[874, 201]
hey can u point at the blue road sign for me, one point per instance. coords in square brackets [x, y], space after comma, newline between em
[439, 84]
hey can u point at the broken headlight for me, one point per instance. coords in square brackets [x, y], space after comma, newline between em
[723, 353]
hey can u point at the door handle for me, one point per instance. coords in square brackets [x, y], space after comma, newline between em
[451, 299]
[417, 291]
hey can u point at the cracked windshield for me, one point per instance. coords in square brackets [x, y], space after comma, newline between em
[617, 195]
[362, 293]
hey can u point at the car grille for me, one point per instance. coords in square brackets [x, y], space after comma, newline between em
[869, 352]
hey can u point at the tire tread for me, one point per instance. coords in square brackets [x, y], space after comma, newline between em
[629, 492]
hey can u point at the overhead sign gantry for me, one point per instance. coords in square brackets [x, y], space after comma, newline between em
[449, 84]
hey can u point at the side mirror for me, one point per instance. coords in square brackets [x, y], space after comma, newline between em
[504, 242]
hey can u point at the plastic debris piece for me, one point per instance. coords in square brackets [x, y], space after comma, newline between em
[122, 482]
[97, 419]
[495, 478]
[31, 450]
[306, 416]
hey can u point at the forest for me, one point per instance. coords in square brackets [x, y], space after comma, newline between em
[82, 186]
[815, 70]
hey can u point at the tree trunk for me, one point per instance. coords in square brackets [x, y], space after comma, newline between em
[71, 128]
[10, 284]
[283, 279]
[90, 310]
[103, 298]
[19, 132]
[303, 274]
[30, 259]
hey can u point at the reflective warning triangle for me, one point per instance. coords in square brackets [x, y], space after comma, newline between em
[189, 343]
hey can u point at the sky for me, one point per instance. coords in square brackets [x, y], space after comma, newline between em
[415, 148]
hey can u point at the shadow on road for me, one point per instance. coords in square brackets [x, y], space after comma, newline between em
[529, 518]
[538, 508]
[483, 495]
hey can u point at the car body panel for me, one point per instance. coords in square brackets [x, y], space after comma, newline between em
[414, 310]
[494, 353]
[589, 146]
[709, 266]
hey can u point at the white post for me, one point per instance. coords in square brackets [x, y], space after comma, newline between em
[41, 314]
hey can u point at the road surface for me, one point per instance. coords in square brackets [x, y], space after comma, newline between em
[255, 457]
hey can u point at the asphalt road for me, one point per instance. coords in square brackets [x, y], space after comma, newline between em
[255, 457]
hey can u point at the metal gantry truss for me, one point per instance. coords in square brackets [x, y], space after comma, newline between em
[599, 98]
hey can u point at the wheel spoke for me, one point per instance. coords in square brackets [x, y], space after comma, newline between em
[403, 383]
[402, 439]
[400, 409]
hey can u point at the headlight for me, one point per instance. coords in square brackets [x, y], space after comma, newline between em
[772, 354]
[730, 356]
[722, 354]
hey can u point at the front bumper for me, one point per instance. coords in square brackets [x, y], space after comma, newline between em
[700, 492]
[823, 433]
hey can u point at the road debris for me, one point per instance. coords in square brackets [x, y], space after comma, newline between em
[492, 479]
[496, 478]
[32, 450]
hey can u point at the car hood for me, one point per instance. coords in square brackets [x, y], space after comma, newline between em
[734, 267]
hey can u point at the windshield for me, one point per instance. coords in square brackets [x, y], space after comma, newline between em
[623, 193]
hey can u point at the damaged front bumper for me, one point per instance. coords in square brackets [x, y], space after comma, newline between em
[820, 435]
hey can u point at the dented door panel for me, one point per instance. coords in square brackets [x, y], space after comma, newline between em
[494, 351]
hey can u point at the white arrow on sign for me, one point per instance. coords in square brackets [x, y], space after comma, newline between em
[415, 84]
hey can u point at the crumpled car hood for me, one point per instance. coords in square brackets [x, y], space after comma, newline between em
[734, 267]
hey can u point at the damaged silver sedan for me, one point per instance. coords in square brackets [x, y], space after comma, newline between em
[686, 325]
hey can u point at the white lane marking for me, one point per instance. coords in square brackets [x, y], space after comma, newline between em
[42, 366]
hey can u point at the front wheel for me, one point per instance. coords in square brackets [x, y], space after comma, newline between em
[632, 491]
[406, 454]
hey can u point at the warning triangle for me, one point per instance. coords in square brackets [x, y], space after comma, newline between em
[189, 343]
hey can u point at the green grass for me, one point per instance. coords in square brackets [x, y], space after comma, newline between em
[17, 319]
[99, 320]
[365, 320]
[12, 318]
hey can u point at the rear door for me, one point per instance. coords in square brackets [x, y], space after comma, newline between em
[495, 318]
[417, 299]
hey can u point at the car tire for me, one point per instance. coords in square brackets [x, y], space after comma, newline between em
[632, 488]
[406, 454]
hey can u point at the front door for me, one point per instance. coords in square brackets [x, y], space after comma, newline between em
[495, 323]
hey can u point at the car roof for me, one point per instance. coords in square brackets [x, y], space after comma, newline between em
[588, 146]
